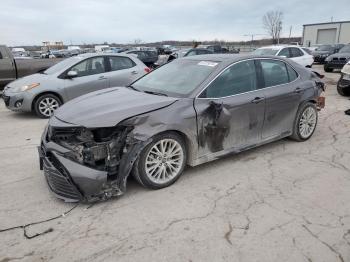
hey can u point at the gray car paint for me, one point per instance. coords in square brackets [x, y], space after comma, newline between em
[69, 88]
[210, 127]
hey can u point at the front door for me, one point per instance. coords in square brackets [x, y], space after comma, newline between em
[91, 77]
[230, 111]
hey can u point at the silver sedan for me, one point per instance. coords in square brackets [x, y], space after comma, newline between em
[43, 93]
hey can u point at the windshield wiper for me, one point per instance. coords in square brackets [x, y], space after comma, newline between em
[155, 93]
[133, 88]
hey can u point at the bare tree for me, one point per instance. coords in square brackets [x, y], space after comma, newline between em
[138, 41]
[272, 22]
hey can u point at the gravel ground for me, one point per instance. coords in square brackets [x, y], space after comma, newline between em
[285, 201]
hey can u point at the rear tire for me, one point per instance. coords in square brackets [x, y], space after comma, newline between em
[305, 122]
[46, 104]
[161, 162]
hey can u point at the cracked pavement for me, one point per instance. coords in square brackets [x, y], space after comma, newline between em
[285, 201]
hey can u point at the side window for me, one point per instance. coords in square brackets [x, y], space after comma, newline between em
[0, 55]
[90, 66]
[296, 52]
[284, 52]
[120, 63]
[237, 79]
[292, 74]
[274, 72]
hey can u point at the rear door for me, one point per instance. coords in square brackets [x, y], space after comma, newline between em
[7, 67]
[282, 94]
[230, 111]
[91, 77]
[122, 71]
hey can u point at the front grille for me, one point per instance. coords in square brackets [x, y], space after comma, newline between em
[59, 180]
[6, 100]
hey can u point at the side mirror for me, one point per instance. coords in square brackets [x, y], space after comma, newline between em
[72, 74]
[284, 56]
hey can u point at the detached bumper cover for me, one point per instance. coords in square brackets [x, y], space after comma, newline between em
[69, 180]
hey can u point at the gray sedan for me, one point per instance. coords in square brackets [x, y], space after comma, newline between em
[187, 112]
[45, 92]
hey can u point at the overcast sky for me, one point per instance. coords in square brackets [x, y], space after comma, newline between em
[122, 21]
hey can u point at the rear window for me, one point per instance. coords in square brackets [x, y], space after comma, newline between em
[178, 78]
[120, 63]
[275, 72]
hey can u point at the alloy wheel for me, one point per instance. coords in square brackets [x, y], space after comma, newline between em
[307, 122]
[164, 161]
[47, 106]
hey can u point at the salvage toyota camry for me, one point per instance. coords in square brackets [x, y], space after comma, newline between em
[188, 112]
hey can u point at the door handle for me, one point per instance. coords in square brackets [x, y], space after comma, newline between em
[102, 78]
[257, 100]
[297, 90]
[134, 72]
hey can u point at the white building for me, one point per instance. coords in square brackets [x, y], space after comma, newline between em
[326, 33]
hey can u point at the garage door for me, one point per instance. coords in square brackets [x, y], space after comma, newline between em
[326, 36]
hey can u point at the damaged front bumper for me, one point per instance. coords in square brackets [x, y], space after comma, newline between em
[74, 181]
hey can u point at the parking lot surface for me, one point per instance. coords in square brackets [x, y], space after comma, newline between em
[285, 201]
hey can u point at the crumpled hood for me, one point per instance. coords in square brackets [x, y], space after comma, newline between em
[108, 107]
[27, 80]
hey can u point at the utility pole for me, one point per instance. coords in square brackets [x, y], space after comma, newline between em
[252, 39]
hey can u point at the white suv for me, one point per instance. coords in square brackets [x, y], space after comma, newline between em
[293, 52]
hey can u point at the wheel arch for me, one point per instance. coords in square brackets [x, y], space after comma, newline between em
[45, 93]
[190, 147]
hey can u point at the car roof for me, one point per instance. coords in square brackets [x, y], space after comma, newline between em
[227, 59]
[88, 55]
[278, 47]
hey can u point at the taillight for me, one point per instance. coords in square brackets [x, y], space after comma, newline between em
[147, 69]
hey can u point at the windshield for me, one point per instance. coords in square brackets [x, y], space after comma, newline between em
[62, 65]
[325, 48]
[265, 51]
[345, 49]
[178, 78]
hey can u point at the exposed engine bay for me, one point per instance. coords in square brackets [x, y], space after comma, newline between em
[101, 148]
[88, 164]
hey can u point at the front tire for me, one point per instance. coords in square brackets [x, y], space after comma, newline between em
[161, 162]
[46, 104]
[327, 69]
[342, 91]
[305, 122]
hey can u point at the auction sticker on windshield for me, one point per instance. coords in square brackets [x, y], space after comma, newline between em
[207, 63]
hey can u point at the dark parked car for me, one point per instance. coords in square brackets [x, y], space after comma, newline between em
[217, 49]
[146, 56]
[198, 51]
[187, 112]
[343, 85]
[338, 60]
[322, 52]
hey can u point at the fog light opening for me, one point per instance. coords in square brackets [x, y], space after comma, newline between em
[18, 104]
